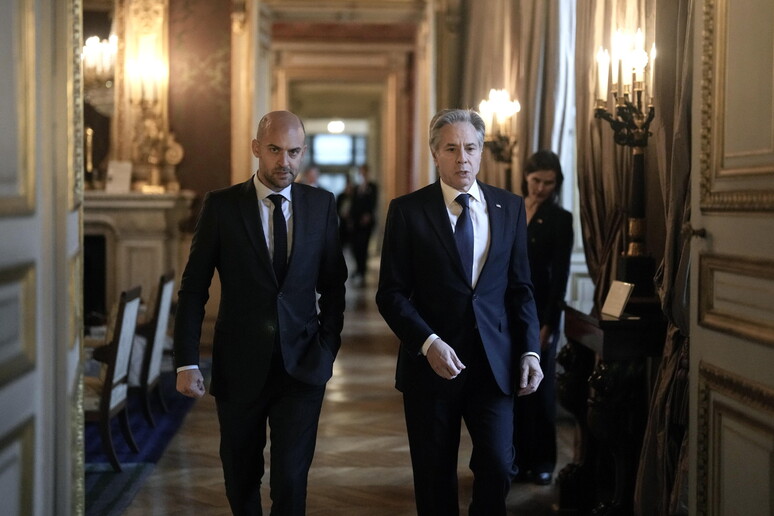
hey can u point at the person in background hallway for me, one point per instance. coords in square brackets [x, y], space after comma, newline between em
[549, 241]
[310, 177]
[362, 219]
[343, 206]
[454, 287]
[275, 245]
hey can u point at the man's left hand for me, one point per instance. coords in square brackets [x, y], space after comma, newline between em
[531, 375]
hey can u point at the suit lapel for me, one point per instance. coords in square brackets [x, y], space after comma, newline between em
[251, 218]
[436, 212]
[497, 224]
[301, 213]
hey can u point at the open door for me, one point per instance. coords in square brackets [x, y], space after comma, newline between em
[732, 271]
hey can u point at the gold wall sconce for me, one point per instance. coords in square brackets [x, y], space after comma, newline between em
[499, 113]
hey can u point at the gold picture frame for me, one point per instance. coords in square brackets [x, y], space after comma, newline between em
[736, 164]
[17, 182]
[17, 300]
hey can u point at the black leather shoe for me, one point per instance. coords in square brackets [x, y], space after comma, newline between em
[543, 479]
[524, 476]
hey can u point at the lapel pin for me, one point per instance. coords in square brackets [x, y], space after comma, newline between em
[498, 205]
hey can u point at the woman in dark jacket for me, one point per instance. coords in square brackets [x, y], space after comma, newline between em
[550, 239]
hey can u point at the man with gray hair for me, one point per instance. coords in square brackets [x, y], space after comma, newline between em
[455, 288]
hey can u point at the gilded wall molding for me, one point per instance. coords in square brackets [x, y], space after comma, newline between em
[750, 394]
[138, 23]
[75, 130]
[735, 308]
[148, 15]
[75, 294]
[736, 193]
[78, 445]
[17, 300]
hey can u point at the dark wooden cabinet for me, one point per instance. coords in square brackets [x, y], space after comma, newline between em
[605, 384]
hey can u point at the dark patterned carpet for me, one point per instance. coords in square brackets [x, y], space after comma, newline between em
[110, 493]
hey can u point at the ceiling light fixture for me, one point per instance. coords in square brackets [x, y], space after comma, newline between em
[336, 126]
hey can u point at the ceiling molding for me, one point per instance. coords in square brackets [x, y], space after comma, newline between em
[348, 11]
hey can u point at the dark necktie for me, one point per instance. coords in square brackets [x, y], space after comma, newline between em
[280, 256]
[463, 234]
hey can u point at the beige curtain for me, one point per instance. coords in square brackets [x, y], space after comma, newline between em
[527, 48]
[662, 477]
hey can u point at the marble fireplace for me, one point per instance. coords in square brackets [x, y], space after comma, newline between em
[131, 239]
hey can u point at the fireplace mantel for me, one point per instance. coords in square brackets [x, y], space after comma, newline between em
[142, 236]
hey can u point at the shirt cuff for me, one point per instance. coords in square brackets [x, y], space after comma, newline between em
[427, 343]
[531, 354]
[187, 367]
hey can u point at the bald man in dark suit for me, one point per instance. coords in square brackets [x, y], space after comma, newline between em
[275, 246]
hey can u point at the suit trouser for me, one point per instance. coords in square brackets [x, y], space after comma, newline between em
[292, 410]
[433, 423]
[535, 420]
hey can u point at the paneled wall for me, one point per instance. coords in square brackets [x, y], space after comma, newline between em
[199, 91]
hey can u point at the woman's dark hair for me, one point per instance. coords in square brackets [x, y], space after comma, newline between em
[544, 160]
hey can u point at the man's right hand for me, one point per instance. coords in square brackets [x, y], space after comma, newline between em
[443, 360]
[190, 382]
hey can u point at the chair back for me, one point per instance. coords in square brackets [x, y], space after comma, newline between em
[160, 325]
[116, 379]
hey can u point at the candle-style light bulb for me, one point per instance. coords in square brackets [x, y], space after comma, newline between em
[618, 51]
[651, 69]
[485, 110]
[639, 58]
[603, 67]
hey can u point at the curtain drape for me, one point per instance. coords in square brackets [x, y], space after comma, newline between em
[527, 48]
[491, 44]
[662, 477]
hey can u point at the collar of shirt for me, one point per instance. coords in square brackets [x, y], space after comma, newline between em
[450, 195]
[262, 191]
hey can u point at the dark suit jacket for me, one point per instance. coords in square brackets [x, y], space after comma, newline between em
[423, 289]
[253, 307]
[550, 237]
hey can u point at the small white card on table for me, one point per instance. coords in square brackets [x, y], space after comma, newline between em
[617, 297]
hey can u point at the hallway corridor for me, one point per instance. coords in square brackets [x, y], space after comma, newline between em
[361, 465]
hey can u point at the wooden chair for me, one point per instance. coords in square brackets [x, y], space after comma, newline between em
[104, 397]
[155, 333]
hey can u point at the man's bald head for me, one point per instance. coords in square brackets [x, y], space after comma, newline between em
[284, 119]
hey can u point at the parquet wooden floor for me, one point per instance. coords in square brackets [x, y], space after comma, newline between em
[361, 466]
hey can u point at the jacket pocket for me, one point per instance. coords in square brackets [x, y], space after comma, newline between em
[312, 326]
